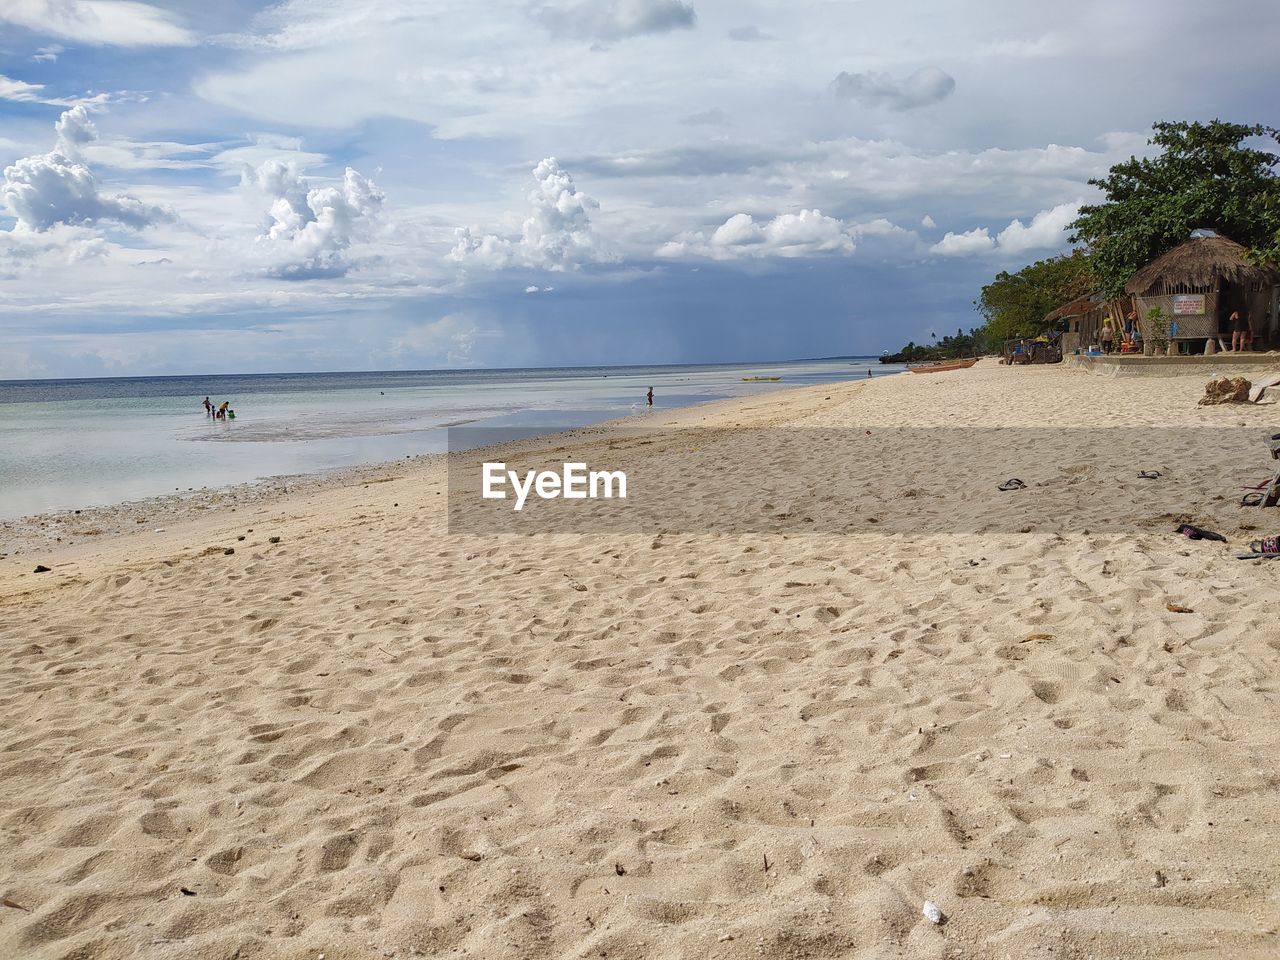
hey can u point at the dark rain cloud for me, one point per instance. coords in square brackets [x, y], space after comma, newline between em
[927, 85]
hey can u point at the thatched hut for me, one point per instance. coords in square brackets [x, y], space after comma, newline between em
[1199, 283]
[1082, 319]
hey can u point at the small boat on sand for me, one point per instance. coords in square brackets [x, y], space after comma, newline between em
[942, 366]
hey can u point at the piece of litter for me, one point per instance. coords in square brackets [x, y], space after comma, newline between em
[932, 913]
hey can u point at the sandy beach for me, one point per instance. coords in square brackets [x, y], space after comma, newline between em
[1042, 711]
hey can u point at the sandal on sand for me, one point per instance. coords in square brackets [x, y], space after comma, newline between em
[1149, 474]
[1013, 483]
[1195, 533]
[1267, 545]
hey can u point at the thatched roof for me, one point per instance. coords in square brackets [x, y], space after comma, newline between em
[1200, 262]
[1077, 307]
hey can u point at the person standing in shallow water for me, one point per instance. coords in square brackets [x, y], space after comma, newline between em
[208, 407]
[649, 398]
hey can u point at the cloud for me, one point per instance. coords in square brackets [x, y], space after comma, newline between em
[557, 235]
[19, 91]
[123, 23]
[749, 35]
[927, 222]
[963, 244]
[805, 234]
[74, 130]
[309, 230]
[608, 20]
[715, 117]
[450, 340]
[60, 245]
[1047, 229]
[48, 54]
[927, 85]
[54, 188]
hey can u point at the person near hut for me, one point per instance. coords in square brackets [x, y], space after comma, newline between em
[1239, 331]
[1108, 336]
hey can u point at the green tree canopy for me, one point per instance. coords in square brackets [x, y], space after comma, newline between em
[1205, 175]
[1015, 304]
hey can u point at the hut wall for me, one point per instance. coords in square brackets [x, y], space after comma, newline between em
[1189, 327]
[1070, 341]
[1257, 305]
[1091, 325]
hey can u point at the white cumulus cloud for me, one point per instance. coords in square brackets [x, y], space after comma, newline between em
[557, 234]
[804, 234]
[74, 130]
[1047, 229]
[309, 230]
[962, 244]
[927, 85]
[54, 188]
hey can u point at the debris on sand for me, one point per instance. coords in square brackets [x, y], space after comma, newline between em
[1226, 390]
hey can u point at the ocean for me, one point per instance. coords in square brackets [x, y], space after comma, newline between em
[70, 444]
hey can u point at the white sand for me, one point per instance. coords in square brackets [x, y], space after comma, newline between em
[375, 738]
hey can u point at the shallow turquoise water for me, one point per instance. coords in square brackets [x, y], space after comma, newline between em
[78, 443]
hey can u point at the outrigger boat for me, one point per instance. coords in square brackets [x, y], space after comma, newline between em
[942, 366]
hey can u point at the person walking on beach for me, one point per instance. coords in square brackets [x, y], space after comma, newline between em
[649, 398]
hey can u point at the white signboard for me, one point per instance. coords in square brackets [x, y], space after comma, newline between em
[1188, 304]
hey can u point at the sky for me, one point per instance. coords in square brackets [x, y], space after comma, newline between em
[195, 187]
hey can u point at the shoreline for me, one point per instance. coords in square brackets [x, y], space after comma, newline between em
[373, 736]
[59, 538]
[25, 530]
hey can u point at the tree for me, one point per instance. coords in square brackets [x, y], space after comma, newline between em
[1015, 304]
[1204, 176]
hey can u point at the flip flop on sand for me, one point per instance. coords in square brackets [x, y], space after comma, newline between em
[1013, 483]
[1195, 533]
[1268, 545]
[1149, 474]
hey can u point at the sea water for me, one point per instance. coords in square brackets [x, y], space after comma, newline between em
[68, 444]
